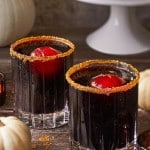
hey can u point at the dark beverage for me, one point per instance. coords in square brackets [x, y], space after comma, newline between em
[44, 96]
[40, 89]
[2, 89]
[103, 119]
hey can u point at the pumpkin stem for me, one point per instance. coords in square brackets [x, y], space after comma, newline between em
[1, 123]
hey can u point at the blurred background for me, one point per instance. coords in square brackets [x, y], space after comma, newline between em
[74, 14]
[74, 20]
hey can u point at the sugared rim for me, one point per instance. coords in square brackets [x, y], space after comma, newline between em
[82, 65]
[26, 40]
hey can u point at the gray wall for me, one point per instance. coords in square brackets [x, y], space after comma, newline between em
[72, 13]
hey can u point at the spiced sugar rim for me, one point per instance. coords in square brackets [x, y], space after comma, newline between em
[106, 91]
[31, 39]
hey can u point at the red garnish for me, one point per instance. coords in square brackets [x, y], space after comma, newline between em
[46, 68]
[107, 81]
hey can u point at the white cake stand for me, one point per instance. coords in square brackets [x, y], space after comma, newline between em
[122, 34]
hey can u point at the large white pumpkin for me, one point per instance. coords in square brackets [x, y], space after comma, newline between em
[144, 90]
[16, 20]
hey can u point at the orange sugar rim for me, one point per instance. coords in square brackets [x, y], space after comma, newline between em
[31, 39]
[82, 65]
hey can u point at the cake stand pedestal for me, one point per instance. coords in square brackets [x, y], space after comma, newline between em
[122, 34]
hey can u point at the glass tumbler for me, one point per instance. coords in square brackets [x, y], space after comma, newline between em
[103, 118]
[39, 85]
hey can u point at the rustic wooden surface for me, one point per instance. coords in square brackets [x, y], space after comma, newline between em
[58, 139]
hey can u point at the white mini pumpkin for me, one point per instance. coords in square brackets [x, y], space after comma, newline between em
[14, 134]
[144, 90]
[16, 20]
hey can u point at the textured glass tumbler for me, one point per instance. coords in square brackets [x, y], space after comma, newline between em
[102, 118]
[40, 88]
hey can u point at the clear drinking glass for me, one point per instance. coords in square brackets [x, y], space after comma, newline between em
[102, 118]
[40, 88]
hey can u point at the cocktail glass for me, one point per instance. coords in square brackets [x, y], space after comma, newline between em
[40, 88]
[103, 118]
